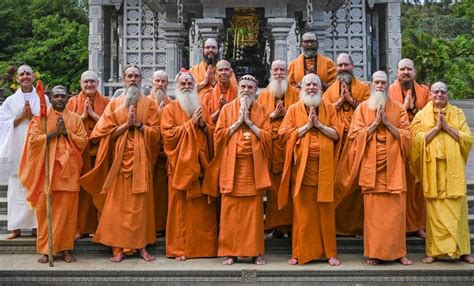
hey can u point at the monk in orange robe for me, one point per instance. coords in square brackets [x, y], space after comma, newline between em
[129, 132]
[160, 176]
[345, 94]
[191, 230]
[240, 171]
[223, 92]
[66, 140]
[310, 61]
[414, 97]
[205, 72]
[310, 131]
[277, 97]
[90, 105]
[378, 143]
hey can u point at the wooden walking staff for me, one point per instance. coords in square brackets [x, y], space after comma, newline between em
[44, 117]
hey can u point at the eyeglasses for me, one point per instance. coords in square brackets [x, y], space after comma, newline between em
[439, 91]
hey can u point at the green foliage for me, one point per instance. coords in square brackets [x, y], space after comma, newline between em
[49, 35]
[438, 37]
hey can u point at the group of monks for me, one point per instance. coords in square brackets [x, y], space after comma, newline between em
[331, 154]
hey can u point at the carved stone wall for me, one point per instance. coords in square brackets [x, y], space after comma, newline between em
[353, 40]
[141, 47]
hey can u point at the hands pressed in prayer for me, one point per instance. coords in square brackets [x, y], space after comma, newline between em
[61, 127]
[408, 102]
[210, 77]
[222, 101]
[27, 111]
[280, 110]
[316, 122]
[197, 116]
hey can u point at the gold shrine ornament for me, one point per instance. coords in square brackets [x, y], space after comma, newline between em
[246, 26]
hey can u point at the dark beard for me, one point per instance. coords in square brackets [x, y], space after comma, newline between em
[345, 76]
[309, 53]
[406, 84]
[210, 61]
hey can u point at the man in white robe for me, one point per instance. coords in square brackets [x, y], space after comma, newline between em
[15, 115]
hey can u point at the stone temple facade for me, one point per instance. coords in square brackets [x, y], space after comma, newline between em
[169, 34]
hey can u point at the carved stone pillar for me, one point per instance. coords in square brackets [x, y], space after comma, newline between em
[173, 36]
[280, 27]
[96, 39]
[394, 39]
[208, 28]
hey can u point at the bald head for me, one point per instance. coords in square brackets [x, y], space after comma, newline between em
[224, 72]
[406, 63]
[309, 45]
[279, 70]
[89, 81]
[309, 36]
[132, 75]
[160, 80]
[439, 94]
[344, 68]
[311, 90]
[379, 81]
[210, 51]
[406, 73]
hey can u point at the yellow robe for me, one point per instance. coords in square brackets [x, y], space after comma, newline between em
[440, 166]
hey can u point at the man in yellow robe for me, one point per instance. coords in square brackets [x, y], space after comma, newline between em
[191, 229]
[414, 97]
[205, 72]
[277, 97]
[121, 182]
[239, 170]
[441, 145]
[160, 176]
[90, 105]
[346, 94]
[66, 139]
[377, 145]
[310, 131]
[311, 61]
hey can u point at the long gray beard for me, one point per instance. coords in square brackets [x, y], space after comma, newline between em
[159, 95]
[311, 100]
[345, 77]
[376, 99]
[278, 88]
[188, 101]
[132, 94]
[248, 99]
[309, 53]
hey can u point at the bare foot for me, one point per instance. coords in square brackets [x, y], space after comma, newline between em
[258, 260]
[117, 258]
[467, 258]
[372, 261]
[43, 259]
[421, 233]
[146, 256]
[16, 233]
[405, 261]
[229, 260]
[81, 236]
[68, 257]
[180, 258]
[333, 261]
[293, 261]
[33, 232]
[429, 259]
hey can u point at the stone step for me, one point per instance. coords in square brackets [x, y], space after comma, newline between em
[3, 191]
[26, 245]
[97, 270]
[3, 223]
[3, 205]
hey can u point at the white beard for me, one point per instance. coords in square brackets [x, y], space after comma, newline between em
[188, 100]
[376, 99]
[132, 94]
[278, 88]
[311, 100]
[159, 95]
[248, 99]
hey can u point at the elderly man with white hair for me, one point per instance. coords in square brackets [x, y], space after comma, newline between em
[90, 105]
[239, 171]
[311, 61]
[15, 115]
[310, 131]
[121, 181]
[441, 145]
[277, 97]
[378, 144]
[191, 229]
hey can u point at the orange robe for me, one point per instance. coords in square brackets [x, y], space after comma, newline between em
[378, 167]
[325, 67]
[199, 73]
[310, 167]
[88, 217]
[65, 163]
[240, 171]
[350, 212]
[416, 206]
[123, 170]
[212, 98]
[273, 216]
[191, 229]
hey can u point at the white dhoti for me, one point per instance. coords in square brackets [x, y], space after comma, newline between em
[20, 216]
